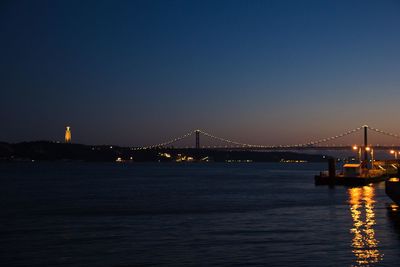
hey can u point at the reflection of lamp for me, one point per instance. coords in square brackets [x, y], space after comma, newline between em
[364, 243]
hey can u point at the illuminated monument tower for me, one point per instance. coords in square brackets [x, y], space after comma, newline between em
[68, 135]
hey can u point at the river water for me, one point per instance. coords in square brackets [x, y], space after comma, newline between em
[257, 214]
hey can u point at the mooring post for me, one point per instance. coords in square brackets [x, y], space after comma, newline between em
[197, 139]
[332, 168]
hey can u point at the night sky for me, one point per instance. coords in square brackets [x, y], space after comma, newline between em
[139, 72]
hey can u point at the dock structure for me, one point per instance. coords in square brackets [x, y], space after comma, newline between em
[349, 180]
[365, 172]
[392, 189]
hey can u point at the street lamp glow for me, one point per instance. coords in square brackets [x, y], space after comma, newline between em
[367, 148]
[355, 147]
[395, 153]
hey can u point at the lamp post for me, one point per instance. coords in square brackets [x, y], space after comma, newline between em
[372, 158]
[371, 151]
[355, 148]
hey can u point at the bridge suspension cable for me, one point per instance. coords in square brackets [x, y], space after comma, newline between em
[227, 140]
[247, 145]
[166, 142]
[384, 132]
[312, 143]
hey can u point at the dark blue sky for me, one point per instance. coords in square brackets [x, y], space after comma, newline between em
[133, 72]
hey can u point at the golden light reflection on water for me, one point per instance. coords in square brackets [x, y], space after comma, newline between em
[364, 243]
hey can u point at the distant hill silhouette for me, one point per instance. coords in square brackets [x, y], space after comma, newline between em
[50, 151]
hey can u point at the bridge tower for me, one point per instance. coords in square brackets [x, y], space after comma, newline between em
[197, 139]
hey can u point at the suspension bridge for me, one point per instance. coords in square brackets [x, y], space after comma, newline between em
[320, 144]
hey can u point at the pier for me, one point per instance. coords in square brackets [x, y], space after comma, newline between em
[366, 171]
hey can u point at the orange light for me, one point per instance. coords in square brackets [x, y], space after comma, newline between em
[391, 151]
[355, 147]
[367, 148]
[68, 134]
